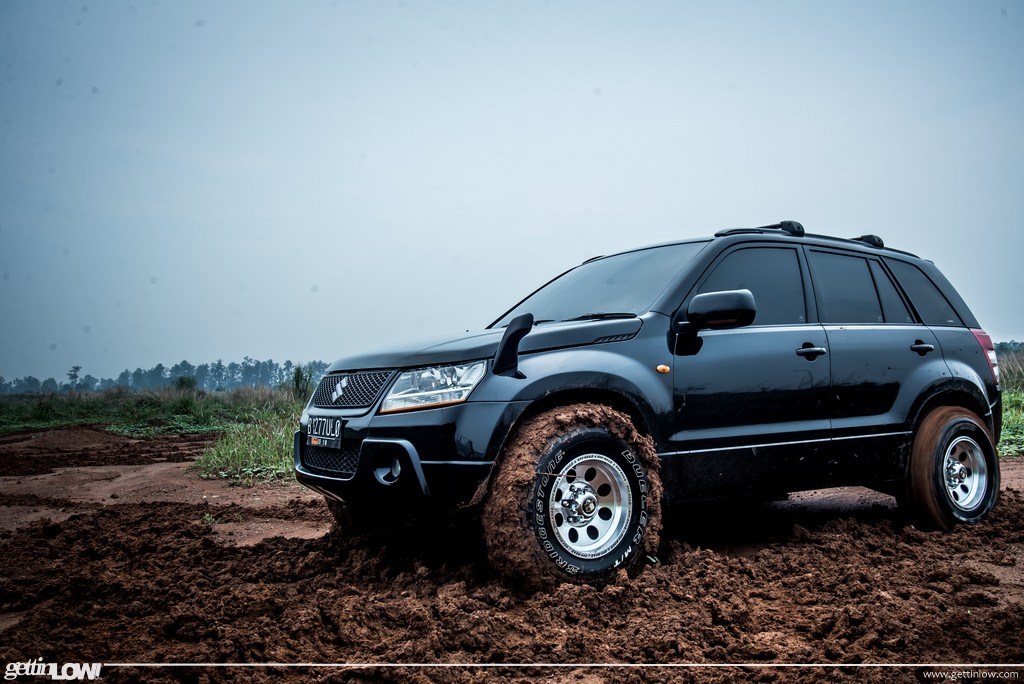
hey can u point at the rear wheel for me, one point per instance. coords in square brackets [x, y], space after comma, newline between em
[576, 496]
[954, 470]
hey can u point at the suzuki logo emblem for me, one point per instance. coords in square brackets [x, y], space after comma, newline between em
[339, 389]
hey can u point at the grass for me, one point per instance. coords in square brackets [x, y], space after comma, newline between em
[139, 414]
[258, 449]
[1011, 378]
[211, 519]
[1012, 441]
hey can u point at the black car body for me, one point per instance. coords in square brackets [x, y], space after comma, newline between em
[760, 360]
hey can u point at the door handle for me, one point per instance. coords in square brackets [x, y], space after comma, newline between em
[922, 347]
[810, 352]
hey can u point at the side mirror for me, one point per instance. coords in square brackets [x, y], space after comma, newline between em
[718, 311]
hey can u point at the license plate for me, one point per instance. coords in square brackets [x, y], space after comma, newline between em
[324, 432]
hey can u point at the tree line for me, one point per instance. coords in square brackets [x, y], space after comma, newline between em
[214, 376]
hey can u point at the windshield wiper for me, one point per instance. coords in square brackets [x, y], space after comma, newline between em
[602, 316]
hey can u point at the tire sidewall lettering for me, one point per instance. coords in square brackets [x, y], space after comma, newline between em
[550, 473]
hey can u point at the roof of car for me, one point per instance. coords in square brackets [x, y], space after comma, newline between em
[782, 229]
[796, 229]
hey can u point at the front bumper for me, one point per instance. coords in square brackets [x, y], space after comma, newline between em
[399, 459]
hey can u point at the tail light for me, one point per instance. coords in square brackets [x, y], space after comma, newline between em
[990, 352]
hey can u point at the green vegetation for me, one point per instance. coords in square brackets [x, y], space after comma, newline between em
[302, 382]
[211, 519]
[1012, 441]
[260, 448]
[1011, 377]
[140, 414]
[1011, 369]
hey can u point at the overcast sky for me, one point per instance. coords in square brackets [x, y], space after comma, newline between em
[303, 180]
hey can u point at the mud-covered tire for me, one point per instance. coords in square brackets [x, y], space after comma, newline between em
[954, 470]
[576, 496]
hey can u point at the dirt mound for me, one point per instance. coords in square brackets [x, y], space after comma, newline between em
[786, 582]
[35, 453]
[72, 439]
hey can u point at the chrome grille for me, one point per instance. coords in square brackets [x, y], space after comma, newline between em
[333, 462]
[351, 390]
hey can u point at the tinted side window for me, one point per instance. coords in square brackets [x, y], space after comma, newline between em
[926, 298]
[772, 275]
[844, 289]
[892, 304]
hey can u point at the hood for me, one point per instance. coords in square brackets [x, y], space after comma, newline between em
[482, 344]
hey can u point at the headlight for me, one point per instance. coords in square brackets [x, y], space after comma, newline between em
[435, 386]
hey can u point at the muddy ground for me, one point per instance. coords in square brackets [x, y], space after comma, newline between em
[127, 557]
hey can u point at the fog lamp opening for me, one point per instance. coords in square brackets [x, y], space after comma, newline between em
[387, 469]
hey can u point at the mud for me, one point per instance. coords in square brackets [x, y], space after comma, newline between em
[35, 453]
[835, 578]
[511, 544]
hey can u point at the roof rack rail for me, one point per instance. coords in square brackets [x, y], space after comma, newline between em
[872, 240]
[794, 228]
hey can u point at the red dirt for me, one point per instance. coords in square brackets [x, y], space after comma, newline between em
[180, 570]
[34, 453]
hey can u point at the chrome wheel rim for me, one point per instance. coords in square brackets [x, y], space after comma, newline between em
[965, 473]
[590, 506]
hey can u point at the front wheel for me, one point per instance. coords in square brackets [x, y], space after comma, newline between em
[954, 470]
[576, 496]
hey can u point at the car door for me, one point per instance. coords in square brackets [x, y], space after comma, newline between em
[751, 404]
[882, 359]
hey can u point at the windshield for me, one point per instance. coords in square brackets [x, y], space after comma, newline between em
[627, 283]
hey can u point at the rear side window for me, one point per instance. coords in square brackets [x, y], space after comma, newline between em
[844, 289]
[924, 295]
[893, 307]
[772, 275]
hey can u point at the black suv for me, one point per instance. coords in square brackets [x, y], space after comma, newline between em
[759, 361]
